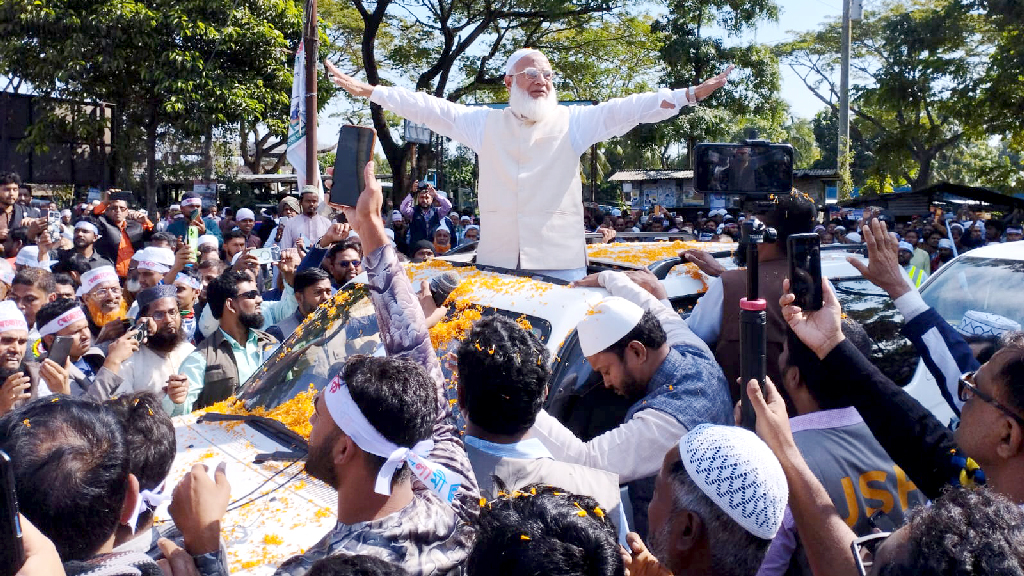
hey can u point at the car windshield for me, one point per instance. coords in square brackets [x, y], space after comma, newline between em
[347, 326]
[982, 284]
[872, 308]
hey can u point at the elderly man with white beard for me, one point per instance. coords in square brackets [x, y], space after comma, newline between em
[531, 195]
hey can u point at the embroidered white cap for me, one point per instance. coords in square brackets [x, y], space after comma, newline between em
[208, 240]
[906, 246]
[510, 64]
[976, 323]
[739, 473]
[244, 214]
[155, 258]
[944, 243]
[610, 320]
[853, 237]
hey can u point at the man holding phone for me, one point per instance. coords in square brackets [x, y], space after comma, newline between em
[309, 226]
[193, 225]
[531, 200]
[64, 319]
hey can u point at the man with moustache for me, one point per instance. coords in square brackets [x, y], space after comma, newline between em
[19, 380]
[131, 368]
[64, 317]
[85, 236]
[531, 200]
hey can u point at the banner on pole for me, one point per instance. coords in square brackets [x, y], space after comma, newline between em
[297, 125]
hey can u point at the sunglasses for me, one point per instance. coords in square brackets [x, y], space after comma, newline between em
[347, 263]
[864, 549]
[967, 390]
[251, 294]
[533, 74]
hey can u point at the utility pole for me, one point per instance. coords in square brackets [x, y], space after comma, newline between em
[844, 88]
[311, 42]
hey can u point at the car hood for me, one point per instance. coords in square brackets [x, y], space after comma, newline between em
[276, 511]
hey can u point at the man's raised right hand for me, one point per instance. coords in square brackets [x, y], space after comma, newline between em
[348, 83]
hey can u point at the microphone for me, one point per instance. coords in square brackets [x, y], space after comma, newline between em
[442, 285]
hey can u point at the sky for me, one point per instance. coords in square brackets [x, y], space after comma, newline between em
[795, 16]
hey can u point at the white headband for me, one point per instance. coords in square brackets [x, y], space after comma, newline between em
[149, 500]
[63, 321]
[11, 317]
[86, 225]
[347, 415]
[191, 202]
[97, 276]
[154, 266]
[195, 283]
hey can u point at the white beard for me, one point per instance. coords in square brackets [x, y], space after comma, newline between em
[526, 106]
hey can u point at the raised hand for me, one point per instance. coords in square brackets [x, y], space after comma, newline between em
[703, 260]
[14, 389]
[712, 84]
[883, 268]
[197, 507]
[821, 330]
[348, 83]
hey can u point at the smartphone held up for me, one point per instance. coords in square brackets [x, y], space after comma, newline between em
[354, 151]
[804, 252]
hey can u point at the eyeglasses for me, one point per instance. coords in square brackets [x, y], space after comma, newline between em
[103, 292]
[533, 74]
[967, 390]
[347, 263]
[117, 208]
[161, 316]
[864, 549]
[251, 294]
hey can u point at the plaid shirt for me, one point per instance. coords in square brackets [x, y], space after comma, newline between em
[428, 536]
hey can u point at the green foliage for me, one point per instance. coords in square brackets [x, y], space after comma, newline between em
[799, 133]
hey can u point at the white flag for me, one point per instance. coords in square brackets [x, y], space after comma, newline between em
[297, 124]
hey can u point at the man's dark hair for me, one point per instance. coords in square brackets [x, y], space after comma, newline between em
[397, 397]
[164, 237]
[223, 287]
[965, 531]
[10, 178]
[361, 565]
[308, 277]
[70, 469]
[36, 277]
[51, 310]
[503, 373]
[71, 261]
[647, 332]
[793, 213]
[188, 196]
[339, 247]
[149, 436]
[1011, 375]
[232, 234]
[734, 550]
[64, 279]
[810, 366]
[543, 532]
[19, 234]
[217, 265]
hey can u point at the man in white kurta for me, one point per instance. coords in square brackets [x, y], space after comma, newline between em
[530, 192]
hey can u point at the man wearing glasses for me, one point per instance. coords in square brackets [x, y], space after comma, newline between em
[233, 352]
[531, 201]
[121, 232]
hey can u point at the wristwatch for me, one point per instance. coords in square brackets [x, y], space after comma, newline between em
[692, 94]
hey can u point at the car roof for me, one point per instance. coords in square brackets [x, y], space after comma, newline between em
[1006, 250]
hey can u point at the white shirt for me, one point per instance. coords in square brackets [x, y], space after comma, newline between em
[147, 371]
[636, 448]
[588, 125]
[302, 226]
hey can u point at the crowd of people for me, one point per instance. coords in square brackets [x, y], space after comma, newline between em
[846, 473]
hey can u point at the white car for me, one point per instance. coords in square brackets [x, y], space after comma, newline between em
[277, 511]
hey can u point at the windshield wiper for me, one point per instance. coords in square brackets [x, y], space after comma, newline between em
[276, 431]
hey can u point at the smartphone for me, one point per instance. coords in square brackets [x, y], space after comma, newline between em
[53, 225]
[61, 349]
[267, 255]
[12, 550]
[805, 269]
[355, 149]
[760, 168]
[143, 331]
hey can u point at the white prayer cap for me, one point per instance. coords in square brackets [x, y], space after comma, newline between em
[396, 216]
[943, 243]
[29, 256]
[853, 237]
[100, 277]
[11, 318]
[466, 219]
[175, 208]
[510, 64]
[208, 240]
[975, 323]
[607, 323]
[739, 473]
[979, 224]
[86, 225]
[616, 212]
[66, 213]
[244, 214]
[472, 227]
[6, 272]
[157, 259]
[906, 246]
[443, 226]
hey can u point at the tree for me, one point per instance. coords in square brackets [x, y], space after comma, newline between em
[917, 70]
[691, 56]
[800, 135]
[186, 65]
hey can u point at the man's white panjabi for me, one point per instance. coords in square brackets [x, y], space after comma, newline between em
[610, 320]
[350, 419]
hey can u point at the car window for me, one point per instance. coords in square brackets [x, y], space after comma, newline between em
[330, 335]
[872, 308]
[984, 284]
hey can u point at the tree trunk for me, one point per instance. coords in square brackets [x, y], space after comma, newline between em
[151, 133]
